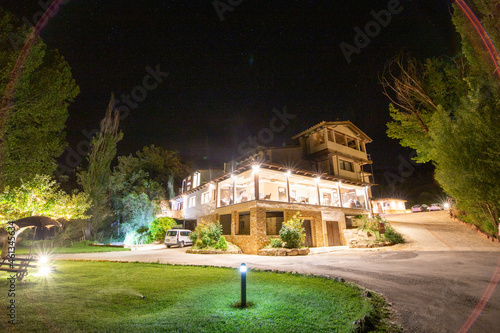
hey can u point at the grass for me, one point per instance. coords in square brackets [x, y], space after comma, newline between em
[141, 297]
[23, 248]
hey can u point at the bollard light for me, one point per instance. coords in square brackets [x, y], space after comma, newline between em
[243, 271]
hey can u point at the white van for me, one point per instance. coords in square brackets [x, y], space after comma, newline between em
[178, 237]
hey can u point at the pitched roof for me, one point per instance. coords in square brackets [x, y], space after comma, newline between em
[346, 123]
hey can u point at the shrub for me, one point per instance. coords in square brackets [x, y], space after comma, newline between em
[208, 233]
[392, 235]
[371, 223]
[159, 227]
[221, 244]
[276, 243]
[292, 232]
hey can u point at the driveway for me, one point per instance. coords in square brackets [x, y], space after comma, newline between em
[433, 282]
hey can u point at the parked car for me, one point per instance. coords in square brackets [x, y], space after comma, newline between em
[435, 206]
[179, 237]
[417, 208]
[425, 208]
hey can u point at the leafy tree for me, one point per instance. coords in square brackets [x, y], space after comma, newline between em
[159, 227]
[136, 212]
[419, 88]
[449, 113]
[465, 149]
[41, 196]
[32, 125]
[95, 179]
[163, 166]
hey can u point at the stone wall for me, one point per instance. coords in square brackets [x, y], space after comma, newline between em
[258, 237]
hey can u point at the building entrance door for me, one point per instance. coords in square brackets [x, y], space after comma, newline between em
[307, 226]
[333, 233]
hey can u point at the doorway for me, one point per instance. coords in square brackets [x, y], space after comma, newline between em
[333, 234]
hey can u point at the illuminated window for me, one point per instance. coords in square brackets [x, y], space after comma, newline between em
[205, 197]
[192, 201]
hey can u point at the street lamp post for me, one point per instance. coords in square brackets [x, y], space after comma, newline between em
[243, 271]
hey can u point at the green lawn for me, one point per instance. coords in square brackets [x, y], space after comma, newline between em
[23, 248]
[107, 297]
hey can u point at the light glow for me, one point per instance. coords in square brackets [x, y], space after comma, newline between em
[44, 260]
[44, 270]
[243, 268]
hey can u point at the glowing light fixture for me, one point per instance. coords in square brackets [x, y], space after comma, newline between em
[288, 173]
[317, 179]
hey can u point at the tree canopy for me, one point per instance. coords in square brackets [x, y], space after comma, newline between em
[448, 110]
[41, 196]
[34, 133]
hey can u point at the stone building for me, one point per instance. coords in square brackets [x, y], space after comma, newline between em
[324, 176]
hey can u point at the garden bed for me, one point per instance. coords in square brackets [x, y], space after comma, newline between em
[231, 249]
[364, 244]
[283, 252]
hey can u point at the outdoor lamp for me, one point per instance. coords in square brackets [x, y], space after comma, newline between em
[243, 271]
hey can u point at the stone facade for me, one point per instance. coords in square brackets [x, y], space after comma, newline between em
[258, 237]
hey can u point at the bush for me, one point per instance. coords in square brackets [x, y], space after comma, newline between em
[159, 227]
[292, 232]
[392, 235]
[276, 243]
[221, 244]
[371, 223]
[208, 233]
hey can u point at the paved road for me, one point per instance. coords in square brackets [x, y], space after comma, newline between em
[433, 283]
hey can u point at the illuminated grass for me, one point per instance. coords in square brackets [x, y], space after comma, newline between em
[78, 247]
[108, 297]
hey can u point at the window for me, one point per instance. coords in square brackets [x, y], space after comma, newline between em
[185, 233]
[205, 197]
[192, 201]
[274, 221]
[351, 143]
[347, 166]
[244, 223]
[225, 196]
[196, 179]
[225, 221]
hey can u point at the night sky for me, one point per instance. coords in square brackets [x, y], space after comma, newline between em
[225, 77]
